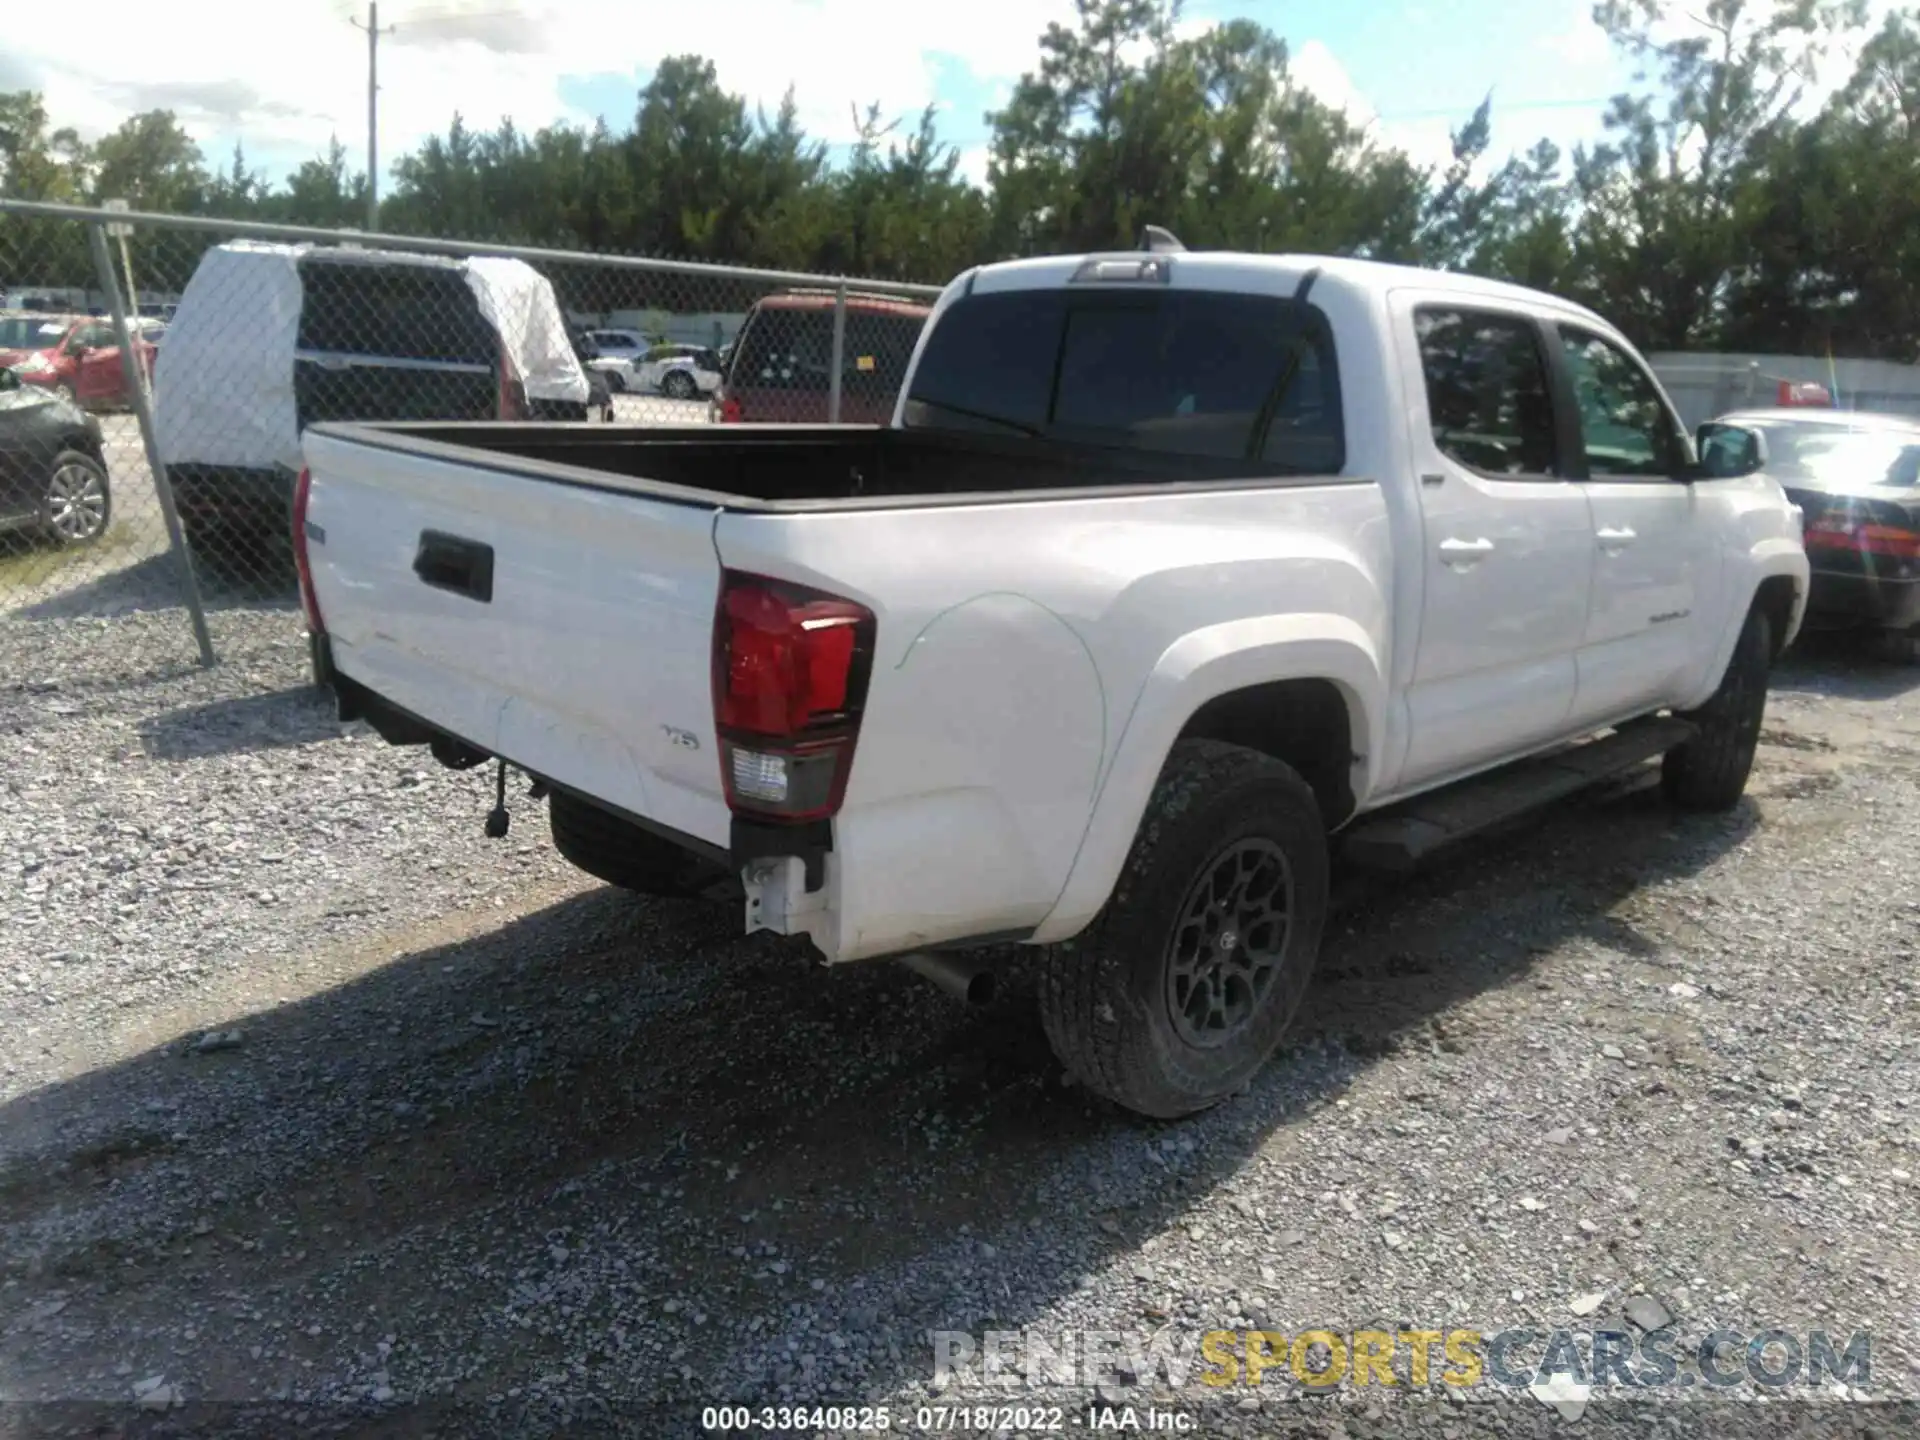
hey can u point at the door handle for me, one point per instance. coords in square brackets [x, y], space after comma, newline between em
[1615, 539]
[453, 562]
[1465, 552]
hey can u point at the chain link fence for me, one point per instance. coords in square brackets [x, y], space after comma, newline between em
[156, 374]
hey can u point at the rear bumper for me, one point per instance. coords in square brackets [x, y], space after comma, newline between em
[223, 492]
[748, 841]
[1840, 598]
[565, 411]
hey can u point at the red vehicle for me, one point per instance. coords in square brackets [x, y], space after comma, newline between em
[76, 355]
[781, 368]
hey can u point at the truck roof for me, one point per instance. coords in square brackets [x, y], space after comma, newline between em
[1221, 269]
[804, 299]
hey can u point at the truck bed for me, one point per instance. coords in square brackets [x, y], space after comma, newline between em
[548, 596]
[785, 467]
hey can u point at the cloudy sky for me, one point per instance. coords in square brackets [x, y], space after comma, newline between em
[284, 75]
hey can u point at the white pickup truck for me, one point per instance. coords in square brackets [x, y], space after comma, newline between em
[1175, 577]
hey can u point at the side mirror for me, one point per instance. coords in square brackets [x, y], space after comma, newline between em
[1728, 452]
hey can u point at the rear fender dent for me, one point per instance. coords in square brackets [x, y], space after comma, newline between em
[1198, 668]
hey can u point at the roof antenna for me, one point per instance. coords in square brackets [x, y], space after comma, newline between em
[1160, 241]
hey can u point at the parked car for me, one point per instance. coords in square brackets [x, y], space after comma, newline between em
[269, 339]
[781, 368]
[1856, 479]
[616, 353]
[680, 372]
[1170, 576]
[53, 468]
[76, 356]
[620, 344]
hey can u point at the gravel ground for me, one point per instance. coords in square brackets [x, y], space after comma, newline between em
[320, 1110]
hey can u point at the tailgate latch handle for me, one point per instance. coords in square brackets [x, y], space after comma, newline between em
[452, 562]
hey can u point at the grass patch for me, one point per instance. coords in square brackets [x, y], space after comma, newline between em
[29, 565]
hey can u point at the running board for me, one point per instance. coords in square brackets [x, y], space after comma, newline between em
[1402, 836]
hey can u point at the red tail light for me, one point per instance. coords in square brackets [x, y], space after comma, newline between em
[1891, 541]
[303, 566]
[790, 672]
[729, 410]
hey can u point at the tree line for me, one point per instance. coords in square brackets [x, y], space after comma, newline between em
[1718, 209]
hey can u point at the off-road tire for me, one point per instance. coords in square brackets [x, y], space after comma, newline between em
[1709, 772]
[1104, 995]
[622, 854]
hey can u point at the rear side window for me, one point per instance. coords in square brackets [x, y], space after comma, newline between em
[404, 312]
[877, 350]
[792, 349]
[1488, 399]
[26, 333]
[785, 350]
[1193, 373]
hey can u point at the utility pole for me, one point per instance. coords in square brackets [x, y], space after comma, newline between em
[372, 27]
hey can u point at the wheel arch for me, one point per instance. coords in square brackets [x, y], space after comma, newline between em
[1307, 721]
[1772, 577]
[1305, 689]
[1782, 600]
[86, 443]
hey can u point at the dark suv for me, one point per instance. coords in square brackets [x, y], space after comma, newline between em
[781, 367]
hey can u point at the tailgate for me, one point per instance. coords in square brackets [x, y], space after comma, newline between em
[564, 628]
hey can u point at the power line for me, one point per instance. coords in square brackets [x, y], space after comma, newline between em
[372, 27]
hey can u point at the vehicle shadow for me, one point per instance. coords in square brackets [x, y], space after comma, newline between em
[1844, 664]
[273, 720]
[152, 583]
[634, 1088]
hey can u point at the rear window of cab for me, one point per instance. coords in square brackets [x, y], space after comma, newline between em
[1181, 372]
[419, 312]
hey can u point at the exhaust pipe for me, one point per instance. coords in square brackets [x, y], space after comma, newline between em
[964, 979]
